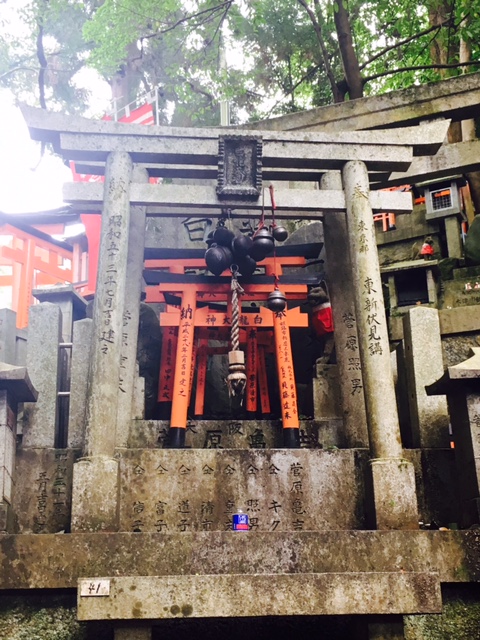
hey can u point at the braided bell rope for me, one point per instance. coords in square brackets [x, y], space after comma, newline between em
[236, 379]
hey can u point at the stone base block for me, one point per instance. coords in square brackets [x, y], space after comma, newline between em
[394, 494]
[219, 596]
[194, 490]
[386, 629]
[471, 513]
[95, 495]
[42, 500]
[133, 633]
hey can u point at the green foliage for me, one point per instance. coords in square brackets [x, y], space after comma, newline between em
[61, 23]
[277, 61]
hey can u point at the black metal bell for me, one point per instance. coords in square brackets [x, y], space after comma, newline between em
[241, 245]
[276, 300]
[223, 236]
[263, 239]
[247, 266]
[280, 233]
[256, 252]
[216, 259]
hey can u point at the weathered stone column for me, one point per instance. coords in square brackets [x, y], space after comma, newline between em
[393, 477]
[43, 366]
[424, 365]
[71, 304]
[431, 287]
[95, 477]
[8, 336]
[133, 291]
[461, 384]
[81, 356]
[340, 287]
[15, 387]
[453, 233]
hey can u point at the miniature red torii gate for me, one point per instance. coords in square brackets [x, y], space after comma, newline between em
[181, 351]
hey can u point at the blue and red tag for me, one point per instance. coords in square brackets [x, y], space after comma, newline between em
[240, 522]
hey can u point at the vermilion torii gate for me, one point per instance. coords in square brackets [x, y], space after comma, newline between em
[240, 162]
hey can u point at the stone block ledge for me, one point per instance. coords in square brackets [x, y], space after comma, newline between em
[219, 596]
[57, 561]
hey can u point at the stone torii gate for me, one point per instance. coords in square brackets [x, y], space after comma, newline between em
[240, 162]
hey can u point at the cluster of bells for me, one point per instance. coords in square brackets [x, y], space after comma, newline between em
[225, 248]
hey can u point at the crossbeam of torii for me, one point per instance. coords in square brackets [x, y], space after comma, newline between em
[241, 158]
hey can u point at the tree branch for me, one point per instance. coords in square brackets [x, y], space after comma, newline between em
[15, 69]
[404, 41]
[337, 95]
[43, 64]
[422, 67]
[219, 25]
[176, 24]
[307, 76]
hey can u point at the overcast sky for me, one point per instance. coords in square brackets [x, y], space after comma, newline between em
[27, 183]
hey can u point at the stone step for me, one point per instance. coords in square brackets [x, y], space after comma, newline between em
[218, 596]
[56, 561]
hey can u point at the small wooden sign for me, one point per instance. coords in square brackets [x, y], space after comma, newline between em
[94, 587]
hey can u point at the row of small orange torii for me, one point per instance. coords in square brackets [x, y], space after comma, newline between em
[183, 351]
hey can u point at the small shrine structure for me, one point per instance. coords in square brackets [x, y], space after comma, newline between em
[146, 506]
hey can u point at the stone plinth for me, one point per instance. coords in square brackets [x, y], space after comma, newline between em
[43, 495]
[221, 596]
[393, 486]
[424, 364]
[95, 495]
[199, 490]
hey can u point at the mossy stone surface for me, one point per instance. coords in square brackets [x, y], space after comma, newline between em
[46, 616]
[460, 619]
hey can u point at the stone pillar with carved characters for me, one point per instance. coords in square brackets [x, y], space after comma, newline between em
[95, 478]
[393, 477]
[340, 288]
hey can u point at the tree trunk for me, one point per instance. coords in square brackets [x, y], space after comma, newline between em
[316, 18]
[351, 67]
[438, 13]
[125, 82]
